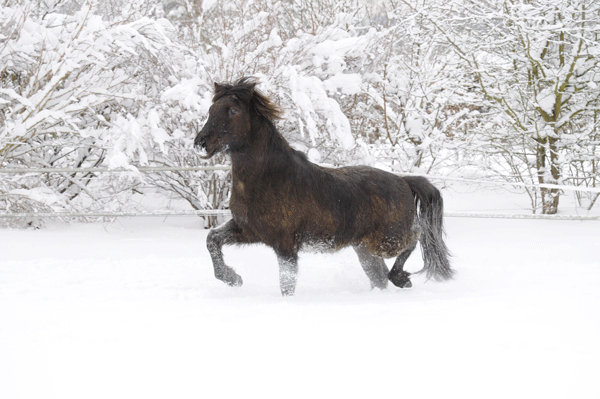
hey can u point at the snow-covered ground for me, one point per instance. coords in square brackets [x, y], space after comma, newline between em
[132, 310]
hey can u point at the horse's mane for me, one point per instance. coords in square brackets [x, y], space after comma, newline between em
[245, 90]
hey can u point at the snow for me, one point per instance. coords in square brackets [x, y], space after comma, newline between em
[546, 100]
[208, 4]
[131, 309]
[338, 48]
[349, 84]
[273, 41]
[308, 93]
[42, 194]
[314, 155]
[186, 93]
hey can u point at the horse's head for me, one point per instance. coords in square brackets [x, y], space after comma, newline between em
[227, 125]
[230, 117]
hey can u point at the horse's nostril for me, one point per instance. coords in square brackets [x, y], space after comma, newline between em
[199, 142]
[200, 147]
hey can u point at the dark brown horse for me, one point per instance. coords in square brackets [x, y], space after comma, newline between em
[281, 199]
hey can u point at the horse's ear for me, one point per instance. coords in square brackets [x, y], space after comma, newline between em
[217, 87]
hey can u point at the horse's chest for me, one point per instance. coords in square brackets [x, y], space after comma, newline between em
[258, 210]
[246, 205]
[238, 202]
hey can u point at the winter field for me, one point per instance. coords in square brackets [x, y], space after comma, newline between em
[131, 310]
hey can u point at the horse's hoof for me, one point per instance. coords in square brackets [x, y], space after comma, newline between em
[382, 285]
[229, 277]
[403, 283]
[236, 281]
[288, 289]
[401, 280]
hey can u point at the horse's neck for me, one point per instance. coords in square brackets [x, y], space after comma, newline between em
[269, 154]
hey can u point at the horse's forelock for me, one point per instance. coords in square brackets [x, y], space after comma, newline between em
[245, 91]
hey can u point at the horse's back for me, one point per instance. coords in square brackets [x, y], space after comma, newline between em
[378, 184]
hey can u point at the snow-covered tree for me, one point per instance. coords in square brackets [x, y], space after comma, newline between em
[537, 66]
[415, 103]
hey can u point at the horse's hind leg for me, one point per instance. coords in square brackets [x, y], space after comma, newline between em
[374, 266]
[227, 234]
[397, 275]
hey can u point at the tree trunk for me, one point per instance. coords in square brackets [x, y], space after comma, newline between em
[547, 153]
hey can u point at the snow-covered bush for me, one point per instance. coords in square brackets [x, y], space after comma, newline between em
[72, 88]
[342, 75]
[432, 86]
[181, 113]
[267, 40]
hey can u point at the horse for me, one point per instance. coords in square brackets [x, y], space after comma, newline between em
[281, 199]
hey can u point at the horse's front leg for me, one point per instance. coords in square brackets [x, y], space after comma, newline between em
[288, 273]
[227, 234]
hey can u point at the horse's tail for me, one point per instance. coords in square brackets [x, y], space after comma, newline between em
[430, 217]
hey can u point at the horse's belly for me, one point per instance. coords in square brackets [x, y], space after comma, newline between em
[320, 244]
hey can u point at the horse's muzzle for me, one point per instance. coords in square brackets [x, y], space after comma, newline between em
[199, 141]
[200, 147]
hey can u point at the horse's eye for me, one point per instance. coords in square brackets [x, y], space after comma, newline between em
[233, 111]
